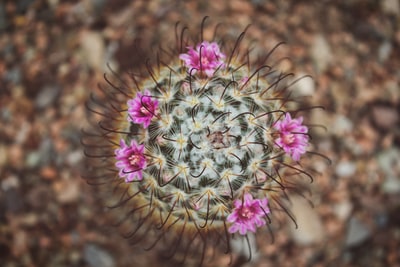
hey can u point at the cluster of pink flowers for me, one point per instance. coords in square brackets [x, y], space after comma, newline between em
[130, 161]
[247, 214]
[293, 138]
[205, 58]
[142, 109]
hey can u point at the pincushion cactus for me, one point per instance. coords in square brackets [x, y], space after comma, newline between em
[203, 147]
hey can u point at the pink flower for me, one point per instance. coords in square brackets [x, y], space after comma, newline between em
[142, 109]
[247, 214]
[205, 58]
[130, 161]
[293, 138]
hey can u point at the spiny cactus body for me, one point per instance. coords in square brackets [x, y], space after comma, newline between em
[204, 147]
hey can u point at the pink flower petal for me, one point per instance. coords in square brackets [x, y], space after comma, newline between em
[293, 138]
[248, 214]
[130, 161]
[205, 58]
[142, 109]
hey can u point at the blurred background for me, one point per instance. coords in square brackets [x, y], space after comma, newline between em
[53, 54]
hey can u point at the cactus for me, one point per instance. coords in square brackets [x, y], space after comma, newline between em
[203, 147]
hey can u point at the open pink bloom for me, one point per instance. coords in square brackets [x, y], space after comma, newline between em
[293, 138]
[142, 109]
[247, 214]
[205, 58]
[130, 161]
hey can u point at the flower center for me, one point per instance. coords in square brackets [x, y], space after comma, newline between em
[144, 110]
[288, 138]
[204, 61]
[134, 159]
[246, 213]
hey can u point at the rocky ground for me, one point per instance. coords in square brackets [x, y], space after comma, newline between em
[54, 53]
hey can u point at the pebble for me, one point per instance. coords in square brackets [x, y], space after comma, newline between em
[343, 209]
[46, 151]
[345, 169]
[321, 53]
[342, 125]
[74, 157]
[20, 244]
[32, 159]
[391, 7]
[67, 190]
[47, 96]
[98, 5]
[93, 49]
[97, 257]
[310, 229]
[389, 163]
[48, 173]
[357, 233]
[22, 133]
[384, 51]
[385, 117]
[388, 159]
[13, 75]
[392, 87]
[391, 185]
[10, 182]
[3, 155]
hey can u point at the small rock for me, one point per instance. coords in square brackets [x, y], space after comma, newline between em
[32, 159]
[357, 233]
[3, 155]
[13, 75]
[389, 163]
[343, 209]
[20, 243]
[46, 151]
[47, 96]
[321, 53]
[74, 157]
[16, 155]
[23, 133]
[388, 160]
[93, 49]
[390, 7]
[97, 257]
[67, 191]
[310, 229]
[48, 173]
[342, 125]
[10, 182]
[384, 51]
[385, 117]
[345, 169]
[391, 185]
[98, 5]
